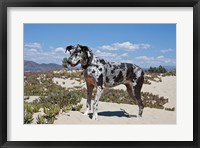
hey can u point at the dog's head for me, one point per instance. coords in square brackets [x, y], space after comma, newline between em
[78, 54]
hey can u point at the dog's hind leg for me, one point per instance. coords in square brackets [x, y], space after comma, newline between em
[137, 86]
[129, 87]
[90, 88]
[137, 94]
[96, 102]
[134, 90]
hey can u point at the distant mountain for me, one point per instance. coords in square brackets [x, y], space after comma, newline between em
[170, 68]
[30, 66]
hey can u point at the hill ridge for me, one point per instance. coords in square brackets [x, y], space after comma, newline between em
[31, 66]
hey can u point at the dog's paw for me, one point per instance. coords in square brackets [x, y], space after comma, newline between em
[86, 112]
[139, 116]
[94, 117]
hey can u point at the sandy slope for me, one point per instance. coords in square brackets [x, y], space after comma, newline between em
[166, 88]
[67, 83]
[113, 113]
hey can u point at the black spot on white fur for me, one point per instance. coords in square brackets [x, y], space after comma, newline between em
[100, 80]
[107, 80]
[120, 77]
[102, 61]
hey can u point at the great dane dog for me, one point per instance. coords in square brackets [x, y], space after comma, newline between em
[100, 73]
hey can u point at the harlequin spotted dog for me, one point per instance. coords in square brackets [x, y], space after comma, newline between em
[100, 73]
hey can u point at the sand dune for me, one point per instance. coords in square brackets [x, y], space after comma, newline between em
[166, 88]
[67, 83]
[113, 113]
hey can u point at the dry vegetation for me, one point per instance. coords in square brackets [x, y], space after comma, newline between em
[156, 77]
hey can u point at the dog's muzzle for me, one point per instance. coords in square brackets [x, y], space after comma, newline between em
[69, 61]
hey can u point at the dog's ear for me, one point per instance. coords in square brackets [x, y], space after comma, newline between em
[68, 48]
[84, 48]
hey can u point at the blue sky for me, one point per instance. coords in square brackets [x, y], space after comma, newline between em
[142, 44]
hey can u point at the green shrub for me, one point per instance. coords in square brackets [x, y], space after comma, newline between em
[169, 73]
[153, 101]
[65, 62]
[159, 69]
[40, 119]
[77, 107]
[31, 107]
[50, 120]
[66, 109]
[36, 107]
[63, 98]
[152, 77]
[170, 109]
[28, 117]
[52, 111]
[28, 108]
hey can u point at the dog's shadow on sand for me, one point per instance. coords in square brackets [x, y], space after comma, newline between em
[121, 113]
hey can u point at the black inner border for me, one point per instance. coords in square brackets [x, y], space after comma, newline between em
[98, 3]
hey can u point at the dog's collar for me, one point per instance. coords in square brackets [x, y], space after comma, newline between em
[89, 62]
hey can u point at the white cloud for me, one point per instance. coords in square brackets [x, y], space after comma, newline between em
[159, 60]
[128, 46]
[160, 57]
[145, 46]
[38, 54]
[127, 61]
[145, 58]
[104, 54]
[166, 50]
[124, 55]
[33, 50]
[33, 45]
[108, 47]
[60, 49]
[168, 61]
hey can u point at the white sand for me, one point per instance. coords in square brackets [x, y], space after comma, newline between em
[67, 83]
[31, 98]
[113, 113]
[166, 88]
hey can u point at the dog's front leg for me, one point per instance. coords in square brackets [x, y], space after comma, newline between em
[89, 96]
[96, 101]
